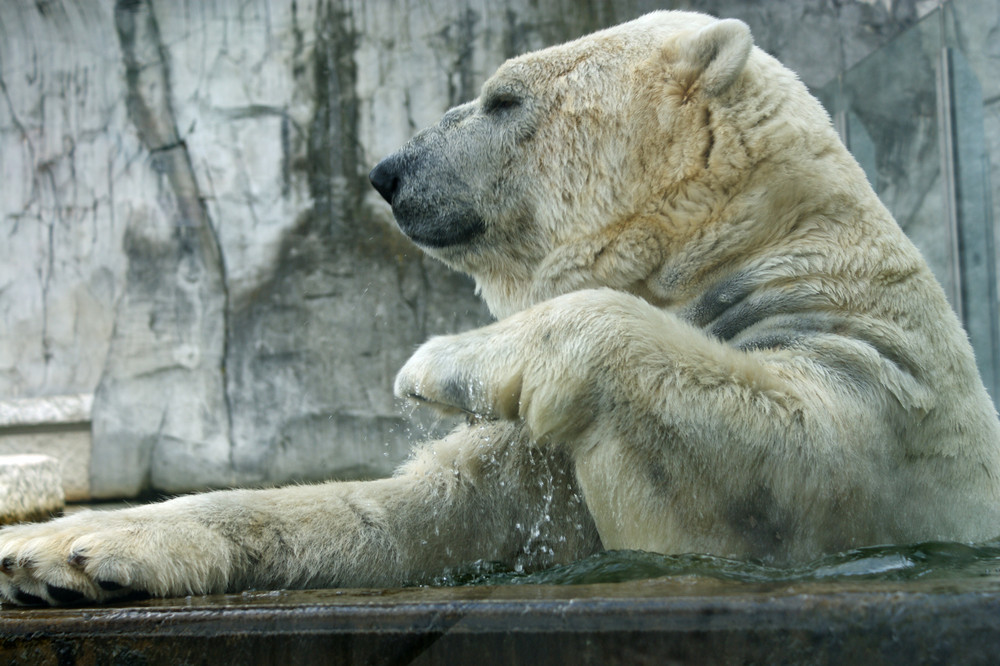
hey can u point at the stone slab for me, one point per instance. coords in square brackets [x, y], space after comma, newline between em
[46, 411]
[57, 426]
[669, 620]
[70, 445]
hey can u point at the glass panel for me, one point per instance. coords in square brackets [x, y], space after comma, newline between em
[862, 146]
[972, 62]
[904, 147]
[973, 211]
[971, 28]
[913, 114]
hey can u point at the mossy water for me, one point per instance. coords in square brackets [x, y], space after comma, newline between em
[922, 561]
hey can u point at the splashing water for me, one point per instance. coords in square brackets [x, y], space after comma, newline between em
[929, 561]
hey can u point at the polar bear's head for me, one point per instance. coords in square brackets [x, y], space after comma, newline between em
[583, 164]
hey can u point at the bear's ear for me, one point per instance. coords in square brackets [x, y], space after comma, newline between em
[719, 52]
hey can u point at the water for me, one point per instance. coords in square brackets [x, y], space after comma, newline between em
[930, 561]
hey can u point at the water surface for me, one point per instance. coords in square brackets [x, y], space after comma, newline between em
[928, 561]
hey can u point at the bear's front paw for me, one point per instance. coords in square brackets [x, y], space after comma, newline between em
[103, 556]
[461, 373]
[519, 368]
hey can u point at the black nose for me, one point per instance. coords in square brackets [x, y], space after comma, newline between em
[385, 178]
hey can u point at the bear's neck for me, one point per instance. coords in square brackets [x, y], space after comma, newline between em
[504, 297]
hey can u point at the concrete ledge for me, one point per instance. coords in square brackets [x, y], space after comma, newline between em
[55, 426]
[657, 621]
[50, 410]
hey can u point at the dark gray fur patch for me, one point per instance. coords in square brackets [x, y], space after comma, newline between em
[787, 330]
[659, 477]
[720, 298]
[657, 473]
[455, 392]
[748, 312]
[739, 302]
[735, 305]
[764, 525]
[771, 340]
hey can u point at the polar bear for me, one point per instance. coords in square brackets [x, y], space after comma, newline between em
[712, 337]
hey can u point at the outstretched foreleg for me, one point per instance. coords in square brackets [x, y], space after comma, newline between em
[481, 494]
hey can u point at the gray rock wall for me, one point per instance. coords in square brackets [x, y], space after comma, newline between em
[188, 233]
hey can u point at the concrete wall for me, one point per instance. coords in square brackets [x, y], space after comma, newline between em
[188, 234]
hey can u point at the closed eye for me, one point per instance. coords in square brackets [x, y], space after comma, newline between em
[501, 103]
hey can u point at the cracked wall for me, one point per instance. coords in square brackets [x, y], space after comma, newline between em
[188, 231]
